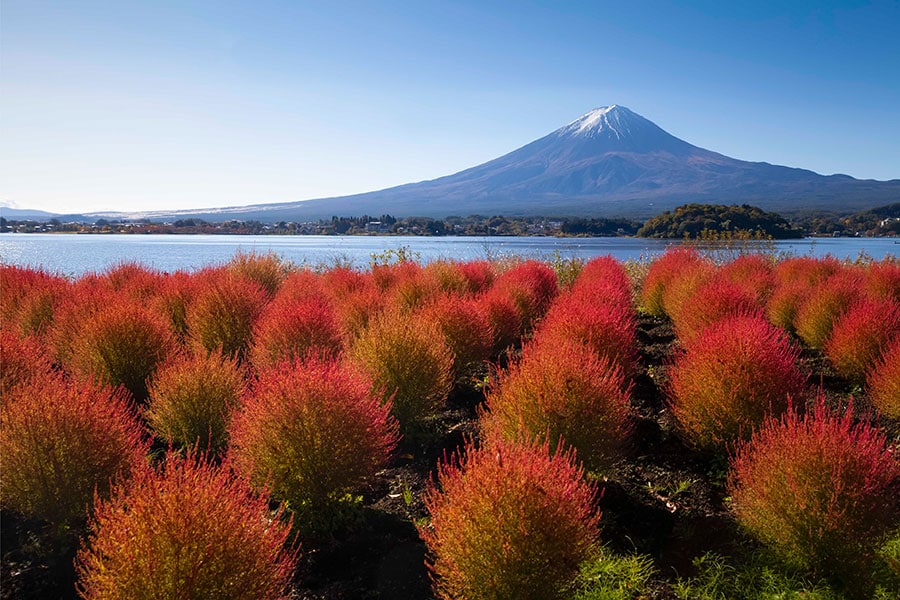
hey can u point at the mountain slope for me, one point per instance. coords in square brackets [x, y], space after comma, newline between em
[608, 162]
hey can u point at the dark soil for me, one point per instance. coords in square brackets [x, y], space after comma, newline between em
[664, 499]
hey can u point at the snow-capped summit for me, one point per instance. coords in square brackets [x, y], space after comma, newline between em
[612, 118]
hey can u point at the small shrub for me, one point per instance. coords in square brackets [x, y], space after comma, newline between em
[680, 292]
[715, 299]
[532, 286]
[189, 530]
[508, 520]
[730, 377]
[561, 390]
[21, 359]
[785, 301]
[408, 360]
[174, 294]
[860, 335]
[883, 280]
[661, 273]
[504, 318]
[448, 277]
[755, 273]
[224, 311]
[30, 298]
[818, 490]
[133, 280]
[883, 381]
[607, 276]
[826, 302]
[609, 329]
[267, 270]
[313, 432]
[60, 443]
[120, 343]
[466, 328]
[191, 399]
[810, 271]
[608, 576]
[479, 275]
[288, 330]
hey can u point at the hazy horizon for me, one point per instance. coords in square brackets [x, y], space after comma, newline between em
[134, 106]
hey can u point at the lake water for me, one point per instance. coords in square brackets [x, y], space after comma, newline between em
[72, 254]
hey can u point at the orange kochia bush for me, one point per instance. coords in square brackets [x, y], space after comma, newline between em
[63, 442]
[825, 303]
[466, 328]
[666, 269]
[860, 335]
[820, 489]
[562, 390]
[730, 377]
[289, 329]
[21, 359]
[187, 530]
[223, 311]
[312, 431]
[508, 520]
[883, 381]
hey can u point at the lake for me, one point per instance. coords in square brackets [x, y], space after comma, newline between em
[73, 254]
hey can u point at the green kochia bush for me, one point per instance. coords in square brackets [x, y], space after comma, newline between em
[61, 443]
[408, 360]
[819, 489]
[730, 377]
[191, 399]
[188, 530]
[312, 431]
[562, 390]
[508, 520]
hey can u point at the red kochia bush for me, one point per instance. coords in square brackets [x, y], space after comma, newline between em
[292, 329]
[479, 275]
[883, 280]
[603, 279]
[561, 389]
[883, 381]
[191, 399]
[826, 302]
[189, 530]
[860, 335]
[312, 431]
[508, 520]
[712, 300]
[29, 298]
[466, 328]
[531, 286]
[132, 279]
[662, 272]
[223, 312]
[819, 489]
[609, 329]
[266, 270]
[755, 273]
[20, 360]
[120, 343]
[506, 323]
[62, 442]
[730, 377]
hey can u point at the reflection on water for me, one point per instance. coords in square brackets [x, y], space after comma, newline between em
[78, 254]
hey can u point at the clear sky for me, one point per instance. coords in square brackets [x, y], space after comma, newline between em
[129, 105]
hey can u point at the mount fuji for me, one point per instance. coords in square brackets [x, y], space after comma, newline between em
[610, 161]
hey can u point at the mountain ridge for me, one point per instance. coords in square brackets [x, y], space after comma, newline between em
[610, 161]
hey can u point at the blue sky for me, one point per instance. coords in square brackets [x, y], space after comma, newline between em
[181, 104]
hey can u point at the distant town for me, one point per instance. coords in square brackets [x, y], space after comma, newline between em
[686, 221]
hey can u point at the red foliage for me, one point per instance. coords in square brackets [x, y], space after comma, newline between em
[188, 530]
[21, 359]
[806, 269]
[133, 280]
[827, 301]
[313, 431]
[223, 312]
[62, 442]
[119, 343]
[883, 280]
[561, 390]
[531, 285]
[753, 272]
[883, 381]
[508, 520]
[28, 298]
[860, 335]
[175, 292]
[713, 300]
[785, 301]
[730, 377]
[289, 330]
[662, 272]
[479, 275]
[607, 328]
[466, 328]
[819, 490]
[603, 279]
[504, 318]
[266, 270]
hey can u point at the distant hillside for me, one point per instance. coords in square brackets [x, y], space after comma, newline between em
[692, 220]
